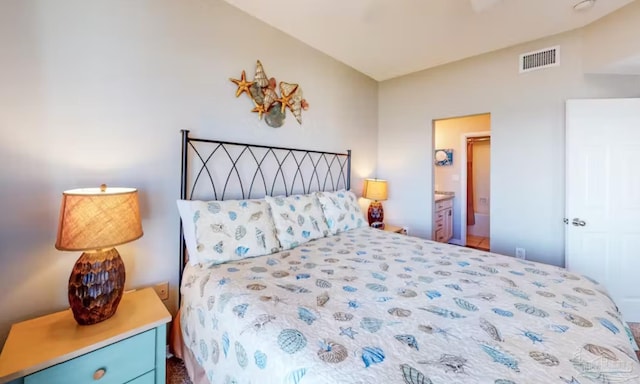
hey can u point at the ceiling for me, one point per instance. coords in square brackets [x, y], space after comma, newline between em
[389, 38]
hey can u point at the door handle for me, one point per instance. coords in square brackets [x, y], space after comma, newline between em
[578, 223]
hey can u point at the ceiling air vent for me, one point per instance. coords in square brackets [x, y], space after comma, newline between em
[544, 58]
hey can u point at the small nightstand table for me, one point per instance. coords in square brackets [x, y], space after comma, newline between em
[393, 228]
[130, 347]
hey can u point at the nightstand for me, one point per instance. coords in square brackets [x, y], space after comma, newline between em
[130, 347]
[393, 228]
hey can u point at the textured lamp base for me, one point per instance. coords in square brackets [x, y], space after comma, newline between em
[376, 215]
[96, 285]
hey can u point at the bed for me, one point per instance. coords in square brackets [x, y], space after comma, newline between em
[362, 305]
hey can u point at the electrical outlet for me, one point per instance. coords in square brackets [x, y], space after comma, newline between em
[162, 289]
[406, 230]
[521, 253]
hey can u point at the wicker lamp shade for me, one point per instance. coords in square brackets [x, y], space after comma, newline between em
[95, 220]
[375, 190]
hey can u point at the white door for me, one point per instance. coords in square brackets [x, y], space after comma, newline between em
[603, 196]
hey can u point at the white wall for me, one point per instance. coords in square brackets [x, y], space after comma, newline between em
[448, 134]
[482, 177]
[97, 91]
[527, 144]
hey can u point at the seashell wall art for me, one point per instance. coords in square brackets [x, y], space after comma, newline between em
[266, 101]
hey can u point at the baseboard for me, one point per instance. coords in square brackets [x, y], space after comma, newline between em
[457, 242]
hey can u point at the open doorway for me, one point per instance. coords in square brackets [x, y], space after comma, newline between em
[461, 179]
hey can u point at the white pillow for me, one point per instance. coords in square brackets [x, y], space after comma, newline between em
[342, 211]
[298, 219]
[230, 230]
[188, 230]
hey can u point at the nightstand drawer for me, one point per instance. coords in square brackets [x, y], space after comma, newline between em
[148, 378]
[122, 362]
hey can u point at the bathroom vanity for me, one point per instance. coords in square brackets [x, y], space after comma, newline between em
[443, 217]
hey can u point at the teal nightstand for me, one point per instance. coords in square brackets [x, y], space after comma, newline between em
[127, 348]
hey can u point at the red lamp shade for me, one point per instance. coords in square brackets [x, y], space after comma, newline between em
[375, 190]
[95, 220]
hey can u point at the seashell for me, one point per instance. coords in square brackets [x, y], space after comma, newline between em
[443, 312]
[452, 363]
[464, 304]
[240, 310]
[287, 89]
[271, 261]
[383, 299]
[569, 276]
[399, 312]
[323, 283]
[502, 312]
[293, 288]
[270, 96]
[260, 77]
[489, 269]
[204, 350]
[544, 358]
[601, 351]
[442, 273]
[545, 294]
[409, 340]
[557, 328]
[260, 238]
[372, 355]
[306, 315]
[490, 329]
[575, 299]
[608, 324]
[413, 376]
[256, 216]
[279, 274]
[531, 310]
[215, 351]
[213, 207]
[241, 231]
[310, 265]
[241, 355]
[294, 377]
[536, 271]
[256, 287]
[219, 247]
[433, 294]
[291, 340]
[404, 292]
[332, 260]
[225, 343]
[577, 320]
[342, 316]
[517, 293]
[331, 352]
[241, 251]
[503, 381]
[453, 286]
[404, 276]
[376, 287]
[322, 299]
[508, 281]
[260, 359]
[425, 279]
[501, 357]
[302, 276]
[379, 276]
[211, 301]
[348, 288]
[371, 324]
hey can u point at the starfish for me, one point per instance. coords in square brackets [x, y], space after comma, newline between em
[259, 109]
[243, 85]
[348, 332]
[285, 100]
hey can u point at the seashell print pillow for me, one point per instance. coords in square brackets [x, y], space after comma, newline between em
[342, 211]
[232, 230]
[298, 219]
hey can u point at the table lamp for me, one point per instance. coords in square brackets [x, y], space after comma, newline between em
[95, 220]
[376, 190]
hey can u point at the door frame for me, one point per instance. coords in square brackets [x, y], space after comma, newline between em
[463, 183]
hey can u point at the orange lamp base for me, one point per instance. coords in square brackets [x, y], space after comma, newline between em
[375, 214]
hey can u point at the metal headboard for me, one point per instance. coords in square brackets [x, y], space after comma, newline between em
[221, 170]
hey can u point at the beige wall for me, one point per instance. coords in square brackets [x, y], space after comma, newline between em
[97, 91]
[527, 151]
[448, 134]
[482, 177]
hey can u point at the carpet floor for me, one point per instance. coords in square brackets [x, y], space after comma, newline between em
[177, 374]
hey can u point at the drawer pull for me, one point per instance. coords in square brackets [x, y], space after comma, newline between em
[99, 374]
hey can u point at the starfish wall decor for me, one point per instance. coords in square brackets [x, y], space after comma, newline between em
[266, 101]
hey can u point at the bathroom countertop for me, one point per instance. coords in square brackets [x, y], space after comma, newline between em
[442, 197]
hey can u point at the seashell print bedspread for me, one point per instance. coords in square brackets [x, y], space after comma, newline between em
[369, 306]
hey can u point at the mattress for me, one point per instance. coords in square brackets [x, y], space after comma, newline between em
[370, 306]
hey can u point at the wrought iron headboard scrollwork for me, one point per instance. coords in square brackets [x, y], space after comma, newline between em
[221, 170]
